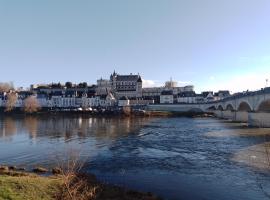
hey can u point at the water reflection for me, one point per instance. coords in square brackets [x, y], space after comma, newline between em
[7, 127]
[70, 127]
[177, 158]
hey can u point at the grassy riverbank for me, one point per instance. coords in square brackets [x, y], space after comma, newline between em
[20, 185]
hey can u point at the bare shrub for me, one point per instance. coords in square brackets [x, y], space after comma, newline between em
[76, 185]
[31, 105]
[11, 101]
[6, 87]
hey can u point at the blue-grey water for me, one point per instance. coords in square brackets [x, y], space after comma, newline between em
[175, 158]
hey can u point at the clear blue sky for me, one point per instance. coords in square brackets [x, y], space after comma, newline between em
[213, 44]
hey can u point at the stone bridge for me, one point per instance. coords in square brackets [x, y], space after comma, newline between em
[249, 107]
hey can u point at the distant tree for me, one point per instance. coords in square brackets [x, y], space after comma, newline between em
[82, 85]
[11, 101]
[56, 85]
[68, 84]
[31, 105]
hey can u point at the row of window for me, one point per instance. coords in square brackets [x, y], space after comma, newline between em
[126, 87]
[125, 83]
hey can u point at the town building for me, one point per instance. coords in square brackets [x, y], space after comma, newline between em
[123, 101]
[166, 97]
[126, 85]
[140, 101]
[103, 86]
[155, 92]
[186, 97]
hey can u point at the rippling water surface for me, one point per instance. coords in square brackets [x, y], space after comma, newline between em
[176, 158]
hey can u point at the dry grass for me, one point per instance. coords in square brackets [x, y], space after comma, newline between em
[20, 186]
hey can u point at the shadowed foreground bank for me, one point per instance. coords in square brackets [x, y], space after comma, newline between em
[20, 185]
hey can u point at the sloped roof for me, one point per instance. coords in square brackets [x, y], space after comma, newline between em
[167, 92]
[123, 98]
[187, 94]
[128, 78]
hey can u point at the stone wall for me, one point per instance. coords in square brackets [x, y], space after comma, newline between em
[259, 119]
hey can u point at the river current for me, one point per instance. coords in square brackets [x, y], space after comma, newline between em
[175, 158]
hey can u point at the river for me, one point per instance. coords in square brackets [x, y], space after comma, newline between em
[175, 158]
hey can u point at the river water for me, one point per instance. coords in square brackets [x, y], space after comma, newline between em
[175, 158]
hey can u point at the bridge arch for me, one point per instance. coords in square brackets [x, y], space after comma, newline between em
[264, 106]
[211, 108]
[229, 107]
[220, 107]
[244, 106]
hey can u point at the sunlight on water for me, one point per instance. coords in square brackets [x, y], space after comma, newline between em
[256, 132]
[257, 156]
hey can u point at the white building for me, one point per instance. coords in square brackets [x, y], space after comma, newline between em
[166, 97]
[123, 101]
[186, 97]
[141, 101]
[156, 91]
[103, 86]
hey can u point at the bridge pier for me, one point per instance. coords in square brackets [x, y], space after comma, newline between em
[241, 116]
[227, 114]
[218, 113]
[259, 119]
[236, 116]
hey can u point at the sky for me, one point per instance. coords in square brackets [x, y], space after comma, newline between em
[211, 44]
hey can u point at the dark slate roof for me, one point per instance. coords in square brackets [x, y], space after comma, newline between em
[148, 98]
[205, 94]
[139, 80]
[224, 92]
[56, 93]
[42, 95]
[199, 95]
[128, 78]
[91, 93]
[167, 92]
[187, 94]
[70, 93]
[123, 98]
[103, 96]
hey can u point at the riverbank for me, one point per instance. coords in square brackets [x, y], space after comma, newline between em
[17, 185]
[105, 113]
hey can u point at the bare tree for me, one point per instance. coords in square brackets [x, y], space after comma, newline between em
[31, 104]
[11, 101]
[6, 87]
[127, 110]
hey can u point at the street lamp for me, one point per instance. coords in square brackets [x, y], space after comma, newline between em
[266, 82]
